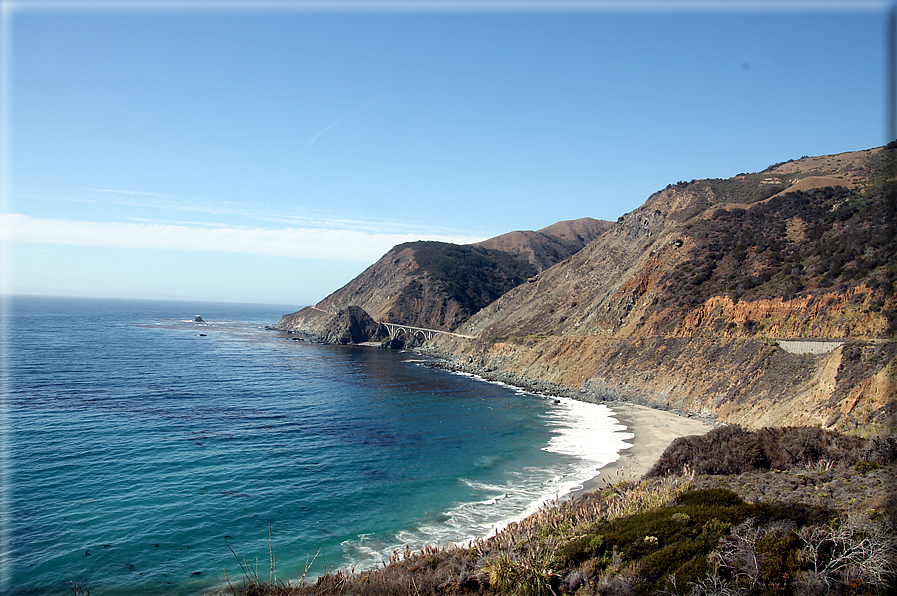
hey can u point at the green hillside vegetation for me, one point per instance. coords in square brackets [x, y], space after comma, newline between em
[838, 238]
[778, 511]
[798, 243]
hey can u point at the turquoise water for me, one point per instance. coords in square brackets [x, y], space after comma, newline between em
[141, 447]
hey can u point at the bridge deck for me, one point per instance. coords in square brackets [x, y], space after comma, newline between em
[395, 328]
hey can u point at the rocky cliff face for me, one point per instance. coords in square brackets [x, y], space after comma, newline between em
[352, 326]
[681, 303]
[437, 285]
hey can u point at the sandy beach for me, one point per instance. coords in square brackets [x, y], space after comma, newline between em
[654, 430]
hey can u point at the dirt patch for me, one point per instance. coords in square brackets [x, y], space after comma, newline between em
[811, 182]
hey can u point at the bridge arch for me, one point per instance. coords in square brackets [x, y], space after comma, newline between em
[395, 328]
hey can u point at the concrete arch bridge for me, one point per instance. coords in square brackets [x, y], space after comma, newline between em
[395, 329]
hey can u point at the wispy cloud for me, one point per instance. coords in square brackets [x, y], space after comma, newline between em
[302, 243]
[264, 213]
[137, 198]
[341, 120]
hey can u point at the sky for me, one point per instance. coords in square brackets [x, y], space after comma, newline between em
[269, 152]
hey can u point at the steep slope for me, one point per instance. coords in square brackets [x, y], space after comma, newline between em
[437, 285]
[682, 303]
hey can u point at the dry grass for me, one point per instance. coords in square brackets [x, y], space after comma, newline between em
[824, 525]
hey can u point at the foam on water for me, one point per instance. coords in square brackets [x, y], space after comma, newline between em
[142, 451]
[587, 436]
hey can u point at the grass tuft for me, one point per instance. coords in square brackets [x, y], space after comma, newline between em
[758, 531]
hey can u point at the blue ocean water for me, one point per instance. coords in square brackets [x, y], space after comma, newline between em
[142, 448]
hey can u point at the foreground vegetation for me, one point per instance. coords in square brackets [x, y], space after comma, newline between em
[777, 511]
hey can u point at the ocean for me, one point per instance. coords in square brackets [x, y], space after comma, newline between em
[145, 453]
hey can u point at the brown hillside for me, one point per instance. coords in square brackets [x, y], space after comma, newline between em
[681, 303]
[550, 245]
[439, 285]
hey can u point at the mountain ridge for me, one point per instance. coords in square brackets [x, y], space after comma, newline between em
[761, 301]
[438, 285]
[680, 304]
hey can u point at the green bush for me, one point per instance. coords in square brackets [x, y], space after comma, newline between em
[848, 239]
[864, 467]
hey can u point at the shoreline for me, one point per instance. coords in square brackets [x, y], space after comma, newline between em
[654, 431]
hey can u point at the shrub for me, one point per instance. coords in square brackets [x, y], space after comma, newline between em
[850, 549]
[848, 239]
[530, 574]
[734, 450]
[864, 467]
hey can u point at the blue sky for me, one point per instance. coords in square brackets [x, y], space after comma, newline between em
[227, 151]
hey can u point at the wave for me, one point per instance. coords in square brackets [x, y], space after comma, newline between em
[585, 436]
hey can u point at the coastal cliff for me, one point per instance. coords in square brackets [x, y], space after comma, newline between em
[684, 304]
[762, 301]
[437, 285]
